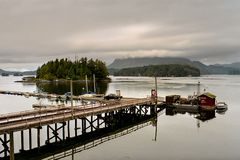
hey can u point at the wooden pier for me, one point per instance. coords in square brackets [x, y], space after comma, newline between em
[36, 118]
[62, 115]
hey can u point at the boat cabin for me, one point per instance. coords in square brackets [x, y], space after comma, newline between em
[207, 99]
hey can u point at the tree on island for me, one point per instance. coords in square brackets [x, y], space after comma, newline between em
[65, 69]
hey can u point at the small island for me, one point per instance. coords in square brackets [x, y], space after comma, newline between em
[76, 70]
[170, 70]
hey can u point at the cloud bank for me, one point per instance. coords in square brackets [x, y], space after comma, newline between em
[32, 32]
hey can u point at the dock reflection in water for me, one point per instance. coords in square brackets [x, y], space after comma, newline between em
[114, 126]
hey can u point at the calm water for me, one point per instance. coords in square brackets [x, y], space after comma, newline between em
[181, 136]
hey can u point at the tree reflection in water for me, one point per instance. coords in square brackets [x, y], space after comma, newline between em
[79, 87]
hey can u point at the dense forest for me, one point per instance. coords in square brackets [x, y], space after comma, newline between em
[175, 70]
[66, 69]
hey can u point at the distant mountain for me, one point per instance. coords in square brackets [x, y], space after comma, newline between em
[235, 65]
[146, 61]
[17, 72]
[1, 71]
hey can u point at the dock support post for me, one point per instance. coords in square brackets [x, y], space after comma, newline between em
[68, 128]
[63, 132]
[11, 146]
[132, 110]
[30, 138]
[83, 125]
[153, 110]
[55, 132]
[22, 140]
[38, 137]
[91, 123]
[47, 134]
[140, 110]
[75, 128]
[5, 145]
[105, 117]
[98, 116]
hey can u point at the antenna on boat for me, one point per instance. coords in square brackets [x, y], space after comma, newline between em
[198, 88]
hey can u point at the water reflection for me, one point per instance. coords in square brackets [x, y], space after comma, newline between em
[222, 111]
[198, 114]
[79, 87]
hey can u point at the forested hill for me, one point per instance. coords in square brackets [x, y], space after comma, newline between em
[65, 69]
[145, 61]
[175, 70]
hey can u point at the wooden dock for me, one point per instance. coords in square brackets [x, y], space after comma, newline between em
[39, 117]
[61, 115]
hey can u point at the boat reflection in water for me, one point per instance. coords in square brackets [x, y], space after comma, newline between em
[221, 111]
[201, 115]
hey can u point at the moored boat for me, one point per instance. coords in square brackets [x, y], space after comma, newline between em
[221, 106]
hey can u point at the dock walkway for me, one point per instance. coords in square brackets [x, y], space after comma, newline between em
[18, 121]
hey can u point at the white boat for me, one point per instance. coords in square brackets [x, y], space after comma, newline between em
[221, 105]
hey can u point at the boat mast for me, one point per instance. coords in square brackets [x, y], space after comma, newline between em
[86, 80]
[94, 84]
[198, 88]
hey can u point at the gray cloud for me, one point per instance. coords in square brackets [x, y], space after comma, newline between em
[32, 32]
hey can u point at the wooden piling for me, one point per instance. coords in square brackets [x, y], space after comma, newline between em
[11, 146]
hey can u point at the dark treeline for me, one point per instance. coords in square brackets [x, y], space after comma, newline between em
[65, 69]
[175, 70]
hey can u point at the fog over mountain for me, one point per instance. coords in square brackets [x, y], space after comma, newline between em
[33, 32]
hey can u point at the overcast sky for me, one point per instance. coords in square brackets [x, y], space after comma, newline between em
[35, 31]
